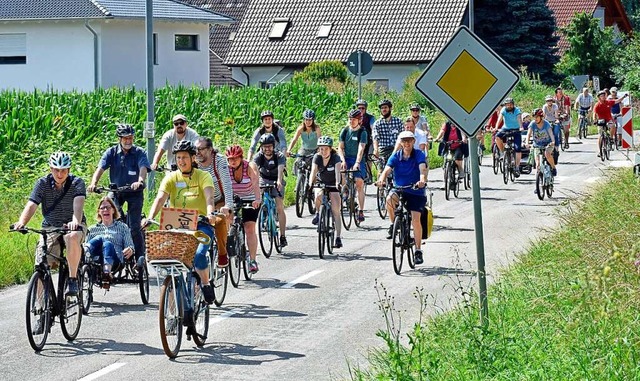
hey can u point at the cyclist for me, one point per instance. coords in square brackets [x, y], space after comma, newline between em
[451, 133]
[62, 196]
[352, 143]
[109, 239]
[564, 107]
[127, 165]
[326, 170]
[181, 131]
[309, 132]
[385, 131]
[602, 110]
[421, 140]
[543, 139]
[419, 121]
[192, 188]
[268, 127]
[584, 102]
[270, 163]
[245, 183]
[367, 121]
[408, 168]
[492, 125]
[615, 112]
[511, 116]
[210, 160]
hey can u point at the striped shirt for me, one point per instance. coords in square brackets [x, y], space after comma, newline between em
[223, 170]
[386, 132]
[45, 193]
[585, 101]
[117, 233]
[244, 188]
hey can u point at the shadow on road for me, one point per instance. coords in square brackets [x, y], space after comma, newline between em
[104, 309]
[92, 346]
[441, 227]
[253, 311]
[233, 354]
[272, 283]
[437, 271]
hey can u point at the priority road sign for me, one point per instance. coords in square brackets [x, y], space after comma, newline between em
[467, 80]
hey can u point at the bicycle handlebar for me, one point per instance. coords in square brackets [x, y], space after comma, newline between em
[295, 156]
[44, 231]
[116, 189]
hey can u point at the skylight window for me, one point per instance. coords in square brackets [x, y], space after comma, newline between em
[324, 30]
[278, 29]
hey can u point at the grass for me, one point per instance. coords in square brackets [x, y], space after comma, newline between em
[567, 310]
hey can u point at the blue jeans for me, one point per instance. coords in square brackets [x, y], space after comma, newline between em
[100, 247]
[200, 260]
[135, 201]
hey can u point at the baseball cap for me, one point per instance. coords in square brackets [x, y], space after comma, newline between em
[179, 117]
[406, 135]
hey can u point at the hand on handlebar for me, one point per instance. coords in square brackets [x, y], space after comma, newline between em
[91, 188]
[137, 185]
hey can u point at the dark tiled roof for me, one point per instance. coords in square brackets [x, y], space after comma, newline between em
[67, 9]
[563, 11]
[390, 30]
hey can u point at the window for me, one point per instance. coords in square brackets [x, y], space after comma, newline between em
[324, 30]
[186, 42]
[232, 36]
[278, 29]
[13, 49]
[155, 48]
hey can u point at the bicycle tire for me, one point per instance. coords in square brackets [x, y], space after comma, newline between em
[607, 150]
[480, 154]
[275, 236]
[454, 180]
[330, 230]
[87, 288]
[345, 213]
[245, 267]
[540, 185]
[354, 204]
[70, 309]
[264, 234]
[321, 236]
[219, 279]
[411, 260]
[143, 283]
[512, 166]
[235, 261]
[549, 189]
[562, 140]
[467, 175]
[495, 155]
[38, 307]
[447, 181]
[602, 147]
[505, 172]
[397, 245]
[381, 201]
[201, 312]
[311, 203]
[300, 195]
[170, 318]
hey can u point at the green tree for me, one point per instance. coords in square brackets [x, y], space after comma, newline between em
[521, 32]
[632, 7]
[627, 68]
[591, 50]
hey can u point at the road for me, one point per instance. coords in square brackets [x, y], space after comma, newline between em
[303, 318]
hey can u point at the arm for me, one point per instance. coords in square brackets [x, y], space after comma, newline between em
[209, 195]
[314, 173]
[142, 175]
[280, 177]
[283, 140]
[500, 120]
[423, 175]
[254, 144]
[157, 204]
[519, 121]
[621, 98]
[252, 171]
[294, 141]
[528, 138]
[341, 152]
[95, 178]
[360, 154]
[129, 248]
[156, 158]
[78, 207]
[383, 176]
[28, 212]
[225, 180]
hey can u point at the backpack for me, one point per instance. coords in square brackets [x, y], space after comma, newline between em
[445, 137]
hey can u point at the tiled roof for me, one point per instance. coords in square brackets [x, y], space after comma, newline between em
[564, 10]
[70, 9]
[235, 9]
[390, 30]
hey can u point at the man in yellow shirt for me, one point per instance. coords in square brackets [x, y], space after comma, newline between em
[192, 188]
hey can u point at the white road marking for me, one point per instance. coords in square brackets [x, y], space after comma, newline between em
[561, 178]
[592, 180]
[621, 164]
[302, 279]
[103, 371]
[225, 315]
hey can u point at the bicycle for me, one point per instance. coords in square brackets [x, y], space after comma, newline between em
[497, 162]
[129, 272]
[450, 171]
[401, 240]
[348, 201]
[43, 302]
[381, 192]
[466, 165]
[218, 276]
[303, 191]
[617, 141]
[268, 234]
[605, 140]
[564, 145]
[239, 259]
[182, 303]
[583, 124]
[544, 178]
[509, 164]
[326, 223]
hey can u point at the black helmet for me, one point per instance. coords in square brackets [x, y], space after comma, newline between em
[266, 113]
[355, 113]
[309, 114]
[361, 102]
[267, 139]
[385, 102]
[124, 130]
[184, 145]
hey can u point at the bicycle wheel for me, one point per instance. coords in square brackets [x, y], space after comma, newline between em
[321, 236]
[87, 288]
[602, 147]
[235, 261]
[170, 317]
[264, 233]
[381, 201]
[353, 204]
[311, 204]
[408, 246]
[455, 184]
[397, 244]
[507, 168]
[540, 185]
[562, 140]
[143, 283]
[345, 212]
[330, 229]
[219, 279]
[447, 180]
[467, 176]
[300, 194]
[549, 189]
[512, 166]
[495, 156]
[480, 154]
[608, 148]
[38, 311]
[200, 319]
[71, 309]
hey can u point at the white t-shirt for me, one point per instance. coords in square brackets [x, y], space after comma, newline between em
[421, 138]
[169, 139]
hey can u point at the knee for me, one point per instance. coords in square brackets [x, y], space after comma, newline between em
[200, 260]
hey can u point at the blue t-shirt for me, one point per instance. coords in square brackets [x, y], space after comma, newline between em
[541, 136]
[124, 169]
[511, 118]
[407, 171]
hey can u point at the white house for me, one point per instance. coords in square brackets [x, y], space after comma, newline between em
[85, 44]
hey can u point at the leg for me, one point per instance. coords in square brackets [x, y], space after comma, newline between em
[335, 208]
[72, 241]
[200, 260]
[252, 238]
[360, 192]
[549, 155]
[221, 231]
[282, 217]
[392, 204]
[500, 143]
[417, 229]
[134, 216]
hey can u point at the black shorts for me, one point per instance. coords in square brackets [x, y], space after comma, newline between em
[249, 215]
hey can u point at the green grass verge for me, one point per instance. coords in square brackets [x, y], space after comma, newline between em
[568, 310]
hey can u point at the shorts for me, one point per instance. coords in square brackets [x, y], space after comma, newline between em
[318, 192]
[249, 215]
[415, 202]
[543, 147]
[54, 246]
[362, 173]
[458, 154]
[517, 138]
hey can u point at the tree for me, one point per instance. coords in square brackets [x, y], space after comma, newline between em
[632, 7]
[521, 32]
[627, 68]
[591, 50]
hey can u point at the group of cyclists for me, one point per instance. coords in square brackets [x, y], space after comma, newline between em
[209, 181]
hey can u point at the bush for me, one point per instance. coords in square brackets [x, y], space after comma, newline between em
[323, 71]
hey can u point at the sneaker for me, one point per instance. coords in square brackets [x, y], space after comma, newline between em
[72, 287]
[554, 172]
[315, 219]
[598, 155]
[517, 173]
[106, 281]
[361, 216]
[39, 326]
[207, 292]
[390, 232]
[337, 243]
[501, 157]
[253, 267]
[482, 147]
[223, 260]
[283, 241]
[345, 193]
[417, 256]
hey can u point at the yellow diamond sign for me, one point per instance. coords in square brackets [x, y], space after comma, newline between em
[467, 80]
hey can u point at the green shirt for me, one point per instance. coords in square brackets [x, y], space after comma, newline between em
[352, 140]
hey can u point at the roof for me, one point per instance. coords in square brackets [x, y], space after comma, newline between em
[20, 10]
[391, 31]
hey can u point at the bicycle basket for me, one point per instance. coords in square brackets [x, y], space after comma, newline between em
[171, 245]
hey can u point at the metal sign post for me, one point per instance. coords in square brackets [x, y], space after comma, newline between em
[149, 128]
[359, 63]
[359, 74]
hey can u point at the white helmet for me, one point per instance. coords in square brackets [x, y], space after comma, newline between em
[60, 160]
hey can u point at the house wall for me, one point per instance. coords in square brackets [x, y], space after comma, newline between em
[599, 14]
[59, 55]
[257, 74]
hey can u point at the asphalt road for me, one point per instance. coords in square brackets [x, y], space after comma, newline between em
[303, 318]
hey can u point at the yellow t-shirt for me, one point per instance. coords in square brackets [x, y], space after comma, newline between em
[187, 192]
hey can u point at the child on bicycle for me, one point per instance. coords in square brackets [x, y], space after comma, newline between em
[543, 139]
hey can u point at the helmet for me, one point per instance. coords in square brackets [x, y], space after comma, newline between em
[361, 102]
[266, 113]
[309, 114]
[184, 145]
[60, 160]
[124, 130]
[614, 90]
[325, 141]
[602, 92]
[267, 139]
[508, 100]
[234, 151]
[548, 98]
[385, 102]
[415, 106]
[537, 112]
[355, 113]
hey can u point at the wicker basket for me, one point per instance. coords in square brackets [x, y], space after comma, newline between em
[164, 245]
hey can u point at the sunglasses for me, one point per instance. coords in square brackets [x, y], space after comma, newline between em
[362, 108]
[179, 123]
[105, 208]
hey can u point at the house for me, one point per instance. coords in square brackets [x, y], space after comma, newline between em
[278, 37]
[610, 12]
[86, 44]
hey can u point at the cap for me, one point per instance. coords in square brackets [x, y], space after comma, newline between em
[179, 117]
[614, 90]
[406, 135]
[525, 114]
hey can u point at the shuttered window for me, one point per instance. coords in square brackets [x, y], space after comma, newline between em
[13, 48]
